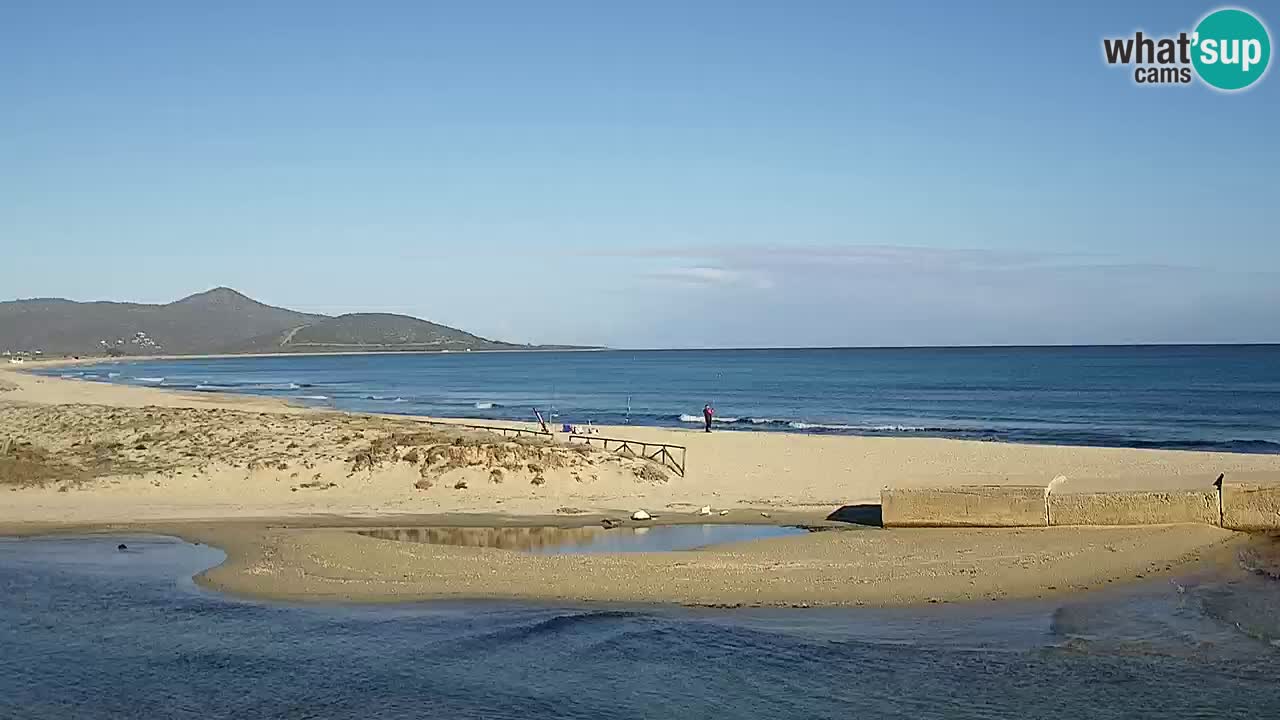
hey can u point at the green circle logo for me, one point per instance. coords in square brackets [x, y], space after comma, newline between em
[1232, 49]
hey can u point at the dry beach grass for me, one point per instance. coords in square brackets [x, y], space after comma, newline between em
[161, 462]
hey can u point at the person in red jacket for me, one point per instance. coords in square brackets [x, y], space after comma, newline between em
[708, 412]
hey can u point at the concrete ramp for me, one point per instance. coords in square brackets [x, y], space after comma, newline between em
[965, 506]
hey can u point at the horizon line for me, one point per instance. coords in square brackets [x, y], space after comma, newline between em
[1009, 346]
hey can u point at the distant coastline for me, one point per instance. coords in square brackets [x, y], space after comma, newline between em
[948, 347]
[217, 322]
[50, 361]
[33, 364]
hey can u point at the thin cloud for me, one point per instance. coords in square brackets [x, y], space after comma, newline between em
[728, 258]
[709, 276]
[699, 275]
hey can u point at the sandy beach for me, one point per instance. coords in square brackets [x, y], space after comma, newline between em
[93, 456]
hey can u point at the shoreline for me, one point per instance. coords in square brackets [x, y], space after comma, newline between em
[686, 423]
[76, 361]
[776, 470]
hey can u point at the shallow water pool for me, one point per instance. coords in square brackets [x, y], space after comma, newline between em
[586, 540]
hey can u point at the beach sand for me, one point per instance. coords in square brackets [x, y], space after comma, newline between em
[92, 455]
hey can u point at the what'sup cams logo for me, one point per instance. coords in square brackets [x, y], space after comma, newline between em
[1229, 50]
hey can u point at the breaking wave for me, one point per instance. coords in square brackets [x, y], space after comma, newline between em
[698, 419]
[816, 426]
[243, 386]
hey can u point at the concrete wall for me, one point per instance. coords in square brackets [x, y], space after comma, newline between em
[1249, 506]
[965, 506]
[1134, 508]
[1242, 506]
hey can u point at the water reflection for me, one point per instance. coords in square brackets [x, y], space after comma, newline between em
[554, 540]
[526, 539]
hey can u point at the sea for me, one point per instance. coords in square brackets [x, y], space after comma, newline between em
[92, 632]
[1217, 397]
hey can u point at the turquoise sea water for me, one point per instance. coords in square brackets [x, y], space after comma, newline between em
[88, 632]
[1182, 397]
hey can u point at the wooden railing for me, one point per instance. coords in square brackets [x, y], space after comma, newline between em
[505, 431]
[661, 453]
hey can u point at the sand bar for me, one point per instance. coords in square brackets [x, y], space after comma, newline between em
[841, 567]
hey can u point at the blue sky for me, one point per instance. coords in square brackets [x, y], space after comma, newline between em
[644, 174]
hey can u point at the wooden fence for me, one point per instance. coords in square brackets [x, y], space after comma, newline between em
[505, 431]
[661, 453]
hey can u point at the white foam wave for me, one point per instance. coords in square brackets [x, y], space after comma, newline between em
[698, 419]
[399, 400]
[484, 406]
[313, 397]
[151, 379]
[91, 376]
[113, 375]
[69, 375]
[801, 425]
[820, 426]
[859, 428]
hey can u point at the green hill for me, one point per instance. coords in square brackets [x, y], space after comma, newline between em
[371, 332]
[202, 323]
[218, 321]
